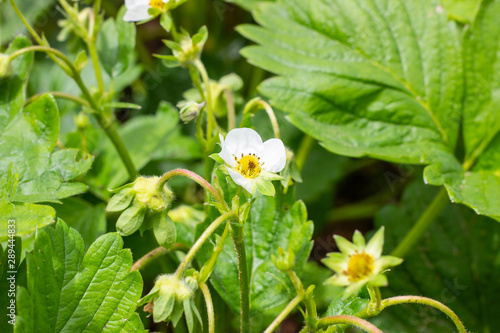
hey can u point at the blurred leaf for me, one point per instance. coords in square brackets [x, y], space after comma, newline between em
[248, 4]
[87, 219]
[384, 80]
[460, 10]
[116, 43]
[157, 135]
[11, 25]
[68, 292]
[28, 218]
[455, 263]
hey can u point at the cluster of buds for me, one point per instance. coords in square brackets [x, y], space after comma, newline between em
[171, 297]
[144, 205]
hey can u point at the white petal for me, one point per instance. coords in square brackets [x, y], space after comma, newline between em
[243, 141]
[242, 181]
[225, 154]
[273, 155]
[137, 13]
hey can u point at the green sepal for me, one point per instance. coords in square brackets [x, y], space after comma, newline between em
[188, 314]
[163, 306]
[164, 230]
[166, 22]
[201, 36]
[177, 313]
[217, 158]
[130, 220]
[172, 45]
[265, 187]
[270, 175]
[120, 201]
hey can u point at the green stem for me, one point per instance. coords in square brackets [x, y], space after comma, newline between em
[423, 223]
[299, 288]
[304, 151]
[209, 266]
[210, 307]
[152, 255]
[239, 245]
[106, 123]
[257, 104]
[426, 301]
[206, 234]
[95, 62]
[208, 98]
[62, 95]
[197, 178]
[286, 311]
[26, 24]
[375, 299]
[231, 114]
[349, 320]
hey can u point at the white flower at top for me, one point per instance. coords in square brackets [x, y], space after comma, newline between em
[359, 263]
[138, 10]
[250, 162]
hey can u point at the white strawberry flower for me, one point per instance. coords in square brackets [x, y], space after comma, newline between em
[139, 10]
[250, 162]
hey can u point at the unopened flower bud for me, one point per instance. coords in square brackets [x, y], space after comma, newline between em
[189, 110]
[149, 194]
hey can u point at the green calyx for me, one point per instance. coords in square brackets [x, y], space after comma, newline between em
[285, 260]
[150, 195]
[169, 299]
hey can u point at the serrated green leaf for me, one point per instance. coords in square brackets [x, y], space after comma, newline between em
[455, 262]
[384, 80]
[70, 292]
[10, 273]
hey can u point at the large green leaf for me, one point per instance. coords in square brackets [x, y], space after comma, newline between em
[28, 137]
[70, 292]
[273, 222]
[456, 262]
[478, 186]
[384, 78]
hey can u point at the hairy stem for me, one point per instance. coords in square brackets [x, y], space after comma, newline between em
[349, 320]
[152, 255]
[286, 311]
[423, 223]
[197, 178]
[237, 233]
[210, 307]
[208, 98]
[206, 234]
[426, 301]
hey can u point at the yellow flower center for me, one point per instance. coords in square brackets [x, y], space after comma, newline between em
[157, 4]
[360, 266]
[248, 166]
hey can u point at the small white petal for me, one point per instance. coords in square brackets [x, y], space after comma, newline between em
[273, 155]
[137, 13]
[225, 154]
[241, 180]
[243, 141]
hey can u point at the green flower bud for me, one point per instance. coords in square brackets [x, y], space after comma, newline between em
[150, 195]
[285, 260]
[169, 299]
[189, 110]
[188, 50]
[144, 205]
[4, 65]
